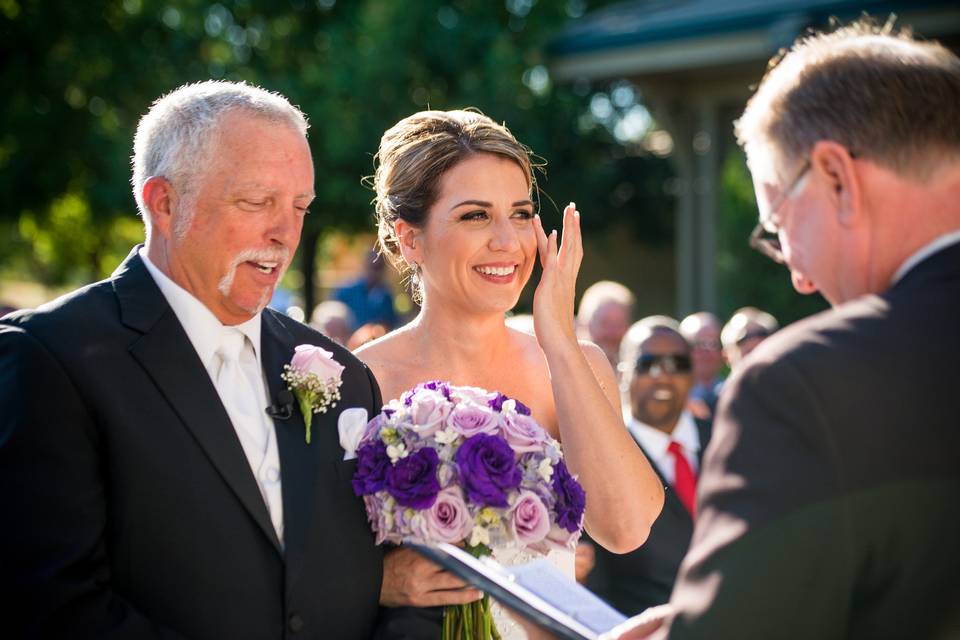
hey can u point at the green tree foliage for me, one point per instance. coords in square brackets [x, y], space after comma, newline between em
[745, 277]
[80, 74]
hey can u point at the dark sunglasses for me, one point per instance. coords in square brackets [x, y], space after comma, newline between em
[666, 363]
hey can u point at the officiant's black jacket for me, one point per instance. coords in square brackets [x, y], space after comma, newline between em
[644, 577]
[128, 507]
[828, 501]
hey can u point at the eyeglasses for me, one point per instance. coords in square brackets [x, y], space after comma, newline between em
[769, 244]
[707, 345]
[652, 364]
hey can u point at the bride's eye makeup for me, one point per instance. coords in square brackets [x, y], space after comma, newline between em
[474, 215]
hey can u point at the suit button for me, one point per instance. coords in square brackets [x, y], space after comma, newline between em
[295, 623]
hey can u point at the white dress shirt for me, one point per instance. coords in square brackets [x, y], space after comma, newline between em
[655, 443]
[925, 252]
[257, 436]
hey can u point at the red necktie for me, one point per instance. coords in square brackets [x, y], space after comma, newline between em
[684, 480]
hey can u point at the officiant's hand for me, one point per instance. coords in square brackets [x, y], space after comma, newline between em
[410, 580]
[553, 300]
[646, 626]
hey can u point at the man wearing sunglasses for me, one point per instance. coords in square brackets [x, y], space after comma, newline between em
[828, 497]
[656, 374]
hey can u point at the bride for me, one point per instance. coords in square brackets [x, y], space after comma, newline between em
[454, 204]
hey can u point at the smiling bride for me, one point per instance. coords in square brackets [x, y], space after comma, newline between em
[454, 201]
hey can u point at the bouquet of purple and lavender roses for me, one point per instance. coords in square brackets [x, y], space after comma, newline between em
[464, 465]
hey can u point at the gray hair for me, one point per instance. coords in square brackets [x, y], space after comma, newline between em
[883, 95]
[175, 138]
[599, 294]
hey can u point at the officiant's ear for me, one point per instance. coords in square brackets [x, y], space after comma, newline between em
[160, 199]
[408, 237]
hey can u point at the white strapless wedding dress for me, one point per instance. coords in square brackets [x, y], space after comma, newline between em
[563, 559]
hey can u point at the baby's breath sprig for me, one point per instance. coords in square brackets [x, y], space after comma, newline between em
[313, 394]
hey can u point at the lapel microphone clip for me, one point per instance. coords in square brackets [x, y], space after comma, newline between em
[282, 409]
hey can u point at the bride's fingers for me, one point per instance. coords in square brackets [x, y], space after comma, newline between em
[543, 243]
[571, 247]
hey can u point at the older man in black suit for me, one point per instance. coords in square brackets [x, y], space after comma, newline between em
[154, 487]
[828, 498]
[656, 371]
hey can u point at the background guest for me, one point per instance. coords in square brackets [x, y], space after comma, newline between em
[702, 331]
[656, 376]
[333, 319]
[603, 316]
[746, 329]
[368, 297]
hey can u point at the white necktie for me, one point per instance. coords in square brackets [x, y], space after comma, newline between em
[239, 393]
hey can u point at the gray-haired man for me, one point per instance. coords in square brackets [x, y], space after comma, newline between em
[147, 491]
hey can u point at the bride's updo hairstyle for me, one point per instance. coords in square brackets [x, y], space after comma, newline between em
[416, 152]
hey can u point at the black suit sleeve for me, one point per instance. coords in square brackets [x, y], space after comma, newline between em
[55, 576]
[375, 392]
[772, 550]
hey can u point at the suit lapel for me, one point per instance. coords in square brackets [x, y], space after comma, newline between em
[298, 460]
[166, 354]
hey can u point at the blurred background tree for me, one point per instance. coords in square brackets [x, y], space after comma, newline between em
[77, 76]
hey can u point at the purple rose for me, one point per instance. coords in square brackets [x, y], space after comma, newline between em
[448, 520]
[529, 520]
[469, 420]
[570, 498]
[488, 469]
[412, 481]
[523, 433]
[372, 465]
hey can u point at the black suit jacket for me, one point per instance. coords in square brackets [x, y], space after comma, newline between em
[828, 500]
[129, 508]
[644, 577]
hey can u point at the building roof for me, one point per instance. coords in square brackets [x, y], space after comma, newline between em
[683, 34]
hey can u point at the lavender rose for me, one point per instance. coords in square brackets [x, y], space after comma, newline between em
[570, 498]
[448, 520]
[469, 420]
[529, 520]
[523, 433]
[488, 469]
[309, 358]
[372, 465]
[428, 410]
[412, 480]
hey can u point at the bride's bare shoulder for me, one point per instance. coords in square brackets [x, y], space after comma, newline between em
[386, 351]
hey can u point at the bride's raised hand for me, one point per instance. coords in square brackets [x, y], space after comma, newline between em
[553, 300]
